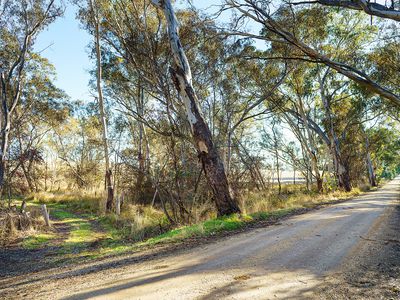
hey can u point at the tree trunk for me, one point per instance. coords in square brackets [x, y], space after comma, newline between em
[45, 175]
[177, 180]
[22, 162]
[370, 168]
[277, 159]
[294, 176]
[371, 173]
[23, 207]
[4, 145]
[210, 159]
[312, 149]
[320, 186]
[341, 170]
[27, 177]
[229, 153]
[278, 175]
[141, 157]
[342, 173]
[108, 172]
[307, 180]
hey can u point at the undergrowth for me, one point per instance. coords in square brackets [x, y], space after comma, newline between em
[142, 226]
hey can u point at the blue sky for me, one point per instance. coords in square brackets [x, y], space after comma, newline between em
[64, 43]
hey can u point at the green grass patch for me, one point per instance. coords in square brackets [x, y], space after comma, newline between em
[265, 215]
[80, 233]
[206, 228]
[37, 241]
[62, 215]
[82, 236]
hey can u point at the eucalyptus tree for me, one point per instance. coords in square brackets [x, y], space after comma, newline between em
[43, 108]
[95, 20]
[339, 42]
[136, 56]
[263, 13]
[20, 23]
[243, 89]
[298, 113]
[182, 76]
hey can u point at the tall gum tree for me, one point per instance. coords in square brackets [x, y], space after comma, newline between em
[181, 73]
[103, 117]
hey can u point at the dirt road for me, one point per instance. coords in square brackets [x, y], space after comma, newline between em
[348, 250]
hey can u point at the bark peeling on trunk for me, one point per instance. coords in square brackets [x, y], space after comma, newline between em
[182, 77]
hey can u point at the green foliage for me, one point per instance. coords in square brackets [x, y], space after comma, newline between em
[385, 146]
[206, 228]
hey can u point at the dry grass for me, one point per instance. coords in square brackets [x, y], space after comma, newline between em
[79, 201]
[203, 211]
[291, 197]
[138, 222]
[15, 225]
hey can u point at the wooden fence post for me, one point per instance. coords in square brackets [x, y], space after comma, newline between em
[45, 213]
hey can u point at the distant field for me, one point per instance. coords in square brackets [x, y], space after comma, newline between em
[288, 177]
